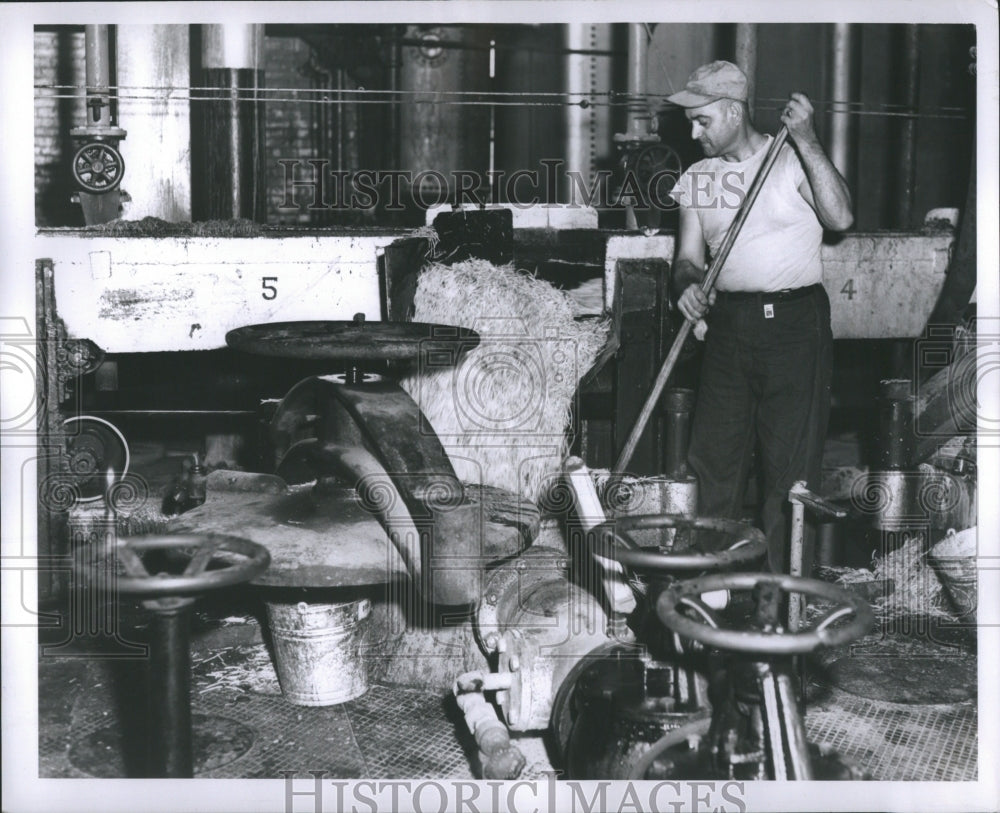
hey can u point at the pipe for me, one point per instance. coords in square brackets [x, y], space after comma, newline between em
[795, 732]
[98, 67]
[170, 689]
[501, 759]
[844, 47]
[638, 115]
[895, 429]
[796, 600]
[364, 471]
[580, 123]
[746, 58]
[775, 726]
[228, 129]
[156, 58]
[679, 406]
[906, 160]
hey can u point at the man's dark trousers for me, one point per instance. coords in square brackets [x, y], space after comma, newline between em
[765, 384]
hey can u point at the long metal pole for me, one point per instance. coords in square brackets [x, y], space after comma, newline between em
[709, 282]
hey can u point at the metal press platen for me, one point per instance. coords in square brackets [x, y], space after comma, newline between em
[356, 340]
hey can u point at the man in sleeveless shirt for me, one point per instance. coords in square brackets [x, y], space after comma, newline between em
[765, 378]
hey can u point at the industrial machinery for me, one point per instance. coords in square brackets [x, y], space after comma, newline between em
[97, 164]
[669, 696]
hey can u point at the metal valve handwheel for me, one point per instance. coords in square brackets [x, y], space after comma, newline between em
[241, 561]
[98, 167]
[657, 160]
[749, 543]
[212, 561]
[765, 643]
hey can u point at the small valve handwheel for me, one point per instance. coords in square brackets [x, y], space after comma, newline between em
[233, 560]
[98, 167]
[748, 543]
[656, 161]
[765, 643]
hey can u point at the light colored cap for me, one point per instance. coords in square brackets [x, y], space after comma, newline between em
[711, 82]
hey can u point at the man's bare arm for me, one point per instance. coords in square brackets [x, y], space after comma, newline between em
[689, 267]
[825, 188]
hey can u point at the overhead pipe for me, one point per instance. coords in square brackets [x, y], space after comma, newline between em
[906, 155]
[746, 58]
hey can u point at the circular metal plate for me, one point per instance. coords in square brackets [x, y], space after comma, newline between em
[94, 446]
[355, 340]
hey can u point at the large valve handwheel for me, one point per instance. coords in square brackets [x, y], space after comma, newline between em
[748, 544]
[98, 167]
[356, 340]
[213, 561]
[765, 643]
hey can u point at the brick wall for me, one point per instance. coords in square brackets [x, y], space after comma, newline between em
[290, 128]
[59, 60]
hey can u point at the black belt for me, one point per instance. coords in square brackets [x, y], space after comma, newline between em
[786, 295]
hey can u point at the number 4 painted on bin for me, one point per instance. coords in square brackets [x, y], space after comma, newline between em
[849, 289]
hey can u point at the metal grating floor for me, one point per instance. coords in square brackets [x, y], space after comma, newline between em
[897, 742]
[397, 733]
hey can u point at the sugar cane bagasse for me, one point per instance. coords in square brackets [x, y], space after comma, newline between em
[765, 379]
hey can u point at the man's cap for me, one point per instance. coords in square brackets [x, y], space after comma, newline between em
[711, 82]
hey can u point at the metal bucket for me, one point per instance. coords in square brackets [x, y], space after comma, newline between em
[318, 651]
[954, 561]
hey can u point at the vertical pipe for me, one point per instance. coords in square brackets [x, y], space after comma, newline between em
[895, 430]
[795, 732]
[229, 128]
[843, 88]
[156, 59]
[638, 118]
[579, 120]
[170, 695]
[774, 725]
[392, 125]
[746, 58]
[795, 600]
[679, 404]
[906, 171]
[98, 67]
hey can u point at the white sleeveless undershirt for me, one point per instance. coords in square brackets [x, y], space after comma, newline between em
[779, 244]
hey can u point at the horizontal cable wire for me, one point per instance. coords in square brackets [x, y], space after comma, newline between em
[463, 98]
